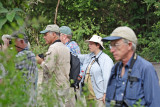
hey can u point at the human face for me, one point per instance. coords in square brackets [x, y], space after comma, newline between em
[93, 47]
[49, 37]
[120, 49]
[19, 43]
[62, 38]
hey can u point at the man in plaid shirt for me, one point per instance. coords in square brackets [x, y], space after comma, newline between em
[26, 62]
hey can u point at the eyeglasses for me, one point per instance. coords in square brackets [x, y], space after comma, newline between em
[116, 45]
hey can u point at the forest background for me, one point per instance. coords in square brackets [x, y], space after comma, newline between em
[85, 18]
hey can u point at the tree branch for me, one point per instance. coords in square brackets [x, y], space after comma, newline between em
[55, 18]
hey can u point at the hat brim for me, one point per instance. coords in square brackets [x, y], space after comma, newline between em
[44, 31]
[111, 38]
[87, 41]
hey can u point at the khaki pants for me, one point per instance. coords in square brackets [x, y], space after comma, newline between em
[95, 103]
[99, 103]
[67, 97]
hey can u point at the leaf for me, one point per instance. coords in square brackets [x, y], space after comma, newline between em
[2, 22]
[19, 20]
[3, 10]
[1, 5]
[11, 15]
[17, 10]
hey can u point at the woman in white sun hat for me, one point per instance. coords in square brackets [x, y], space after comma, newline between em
[96, 69]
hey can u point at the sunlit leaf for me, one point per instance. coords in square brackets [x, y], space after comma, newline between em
[1, 6]
[17, 10]
[3, 10]
[2, 22]
[10, 15]
[19, 20]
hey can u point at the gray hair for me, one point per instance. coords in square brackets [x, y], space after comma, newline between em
[134, 46]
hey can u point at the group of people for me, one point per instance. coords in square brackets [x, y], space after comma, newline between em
[130, 81]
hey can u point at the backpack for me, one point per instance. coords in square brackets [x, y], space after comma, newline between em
[74, 70]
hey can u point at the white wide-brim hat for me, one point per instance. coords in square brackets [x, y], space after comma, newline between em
[97, 39]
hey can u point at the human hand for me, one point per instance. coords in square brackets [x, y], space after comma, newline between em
[6, 40]
[39, 60]
[104, 98]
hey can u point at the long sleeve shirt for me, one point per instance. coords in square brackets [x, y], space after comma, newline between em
[99, 71]
[26, 61]
[57, 62]
[146, 88]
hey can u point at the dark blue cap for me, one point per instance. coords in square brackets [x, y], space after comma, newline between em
[111, 38]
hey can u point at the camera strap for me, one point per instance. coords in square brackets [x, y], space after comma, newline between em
[19, 47]
[129, 73]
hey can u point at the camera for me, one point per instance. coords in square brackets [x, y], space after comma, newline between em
[41, 56]
[119, 103]
[10, 42]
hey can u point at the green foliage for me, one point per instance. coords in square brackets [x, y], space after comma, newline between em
[13, 91]
[150, 47]
[10, 18]
[85, 18]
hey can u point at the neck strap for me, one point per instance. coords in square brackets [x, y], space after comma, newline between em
[129, 72]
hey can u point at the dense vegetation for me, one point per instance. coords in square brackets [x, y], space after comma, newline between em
[85, 18]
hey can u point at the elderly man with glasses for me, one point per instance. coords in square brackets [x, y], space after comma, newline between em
[133, 79]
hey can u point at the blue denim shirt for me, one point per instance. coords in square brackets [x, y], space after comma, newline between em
[146, 88]
[99, 73]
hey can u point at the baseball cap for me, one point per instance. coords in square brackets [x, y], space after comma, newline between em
[65, 30]
[51, 28]
[120, 33]
[20, 35]
[97, 39]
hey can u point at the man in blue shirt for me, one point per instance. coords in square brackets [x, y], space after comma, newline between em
[129, 85]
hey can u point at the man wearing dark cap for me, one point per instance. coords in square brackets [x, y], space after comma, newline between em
[57, 62]
[133, 79]
[65, 37]
[26, 61]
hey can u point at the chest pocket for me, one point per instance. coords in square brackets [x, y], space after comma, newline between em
[133, 87]
[96, 72]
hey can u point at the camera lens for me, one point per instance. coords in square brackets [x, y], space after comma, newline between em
[10, 42]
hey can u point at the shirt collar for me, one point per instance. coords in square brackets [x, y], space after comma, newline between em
[129, 62]
[56, 41]
[95, 56]
[67, 42]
